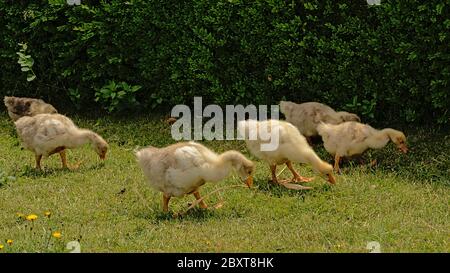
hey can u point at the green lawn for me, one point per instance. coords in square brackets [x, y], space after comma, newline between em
[402, 203]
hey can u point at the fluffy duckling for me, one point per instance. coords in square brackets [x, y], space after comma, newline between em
[353, 138]
[21, 107]
[290, 147]
[184, 167]
[47, 134]
[307, 116]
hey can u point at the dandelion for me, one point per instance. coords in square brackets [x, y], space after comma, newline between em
[9, 242]
[56, 234]
[47, 214]
[32, 217]
[1, 247]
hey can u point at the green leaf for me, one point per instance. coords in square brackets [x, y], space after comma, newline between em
[105, 90]
[136, 88]
[30, 62]
[125, 85]
[439, 8]
[31, 77]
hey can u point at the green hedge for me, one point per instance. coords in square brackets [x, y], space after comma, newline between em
[389, 62]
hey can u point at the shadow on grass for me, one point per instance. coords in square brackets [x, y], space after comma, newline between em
[266, 186]
[160, 217]
[426, 162]
[32, 172]
[196, 214]
[156, 216]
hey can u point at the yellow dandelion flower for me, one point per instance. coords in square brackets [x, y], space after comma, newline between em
[47, 213]
[9, 242]
[56, 234]
[32, 217]
[1, 247]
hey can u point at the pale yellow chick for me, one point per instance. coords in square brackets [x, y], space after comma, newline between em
[184, 167]
[353, 138]
[47, 134]
[285, 145]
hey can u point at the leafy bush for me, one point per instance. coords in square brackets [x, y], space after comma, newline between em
[117, 96]
[387, 62]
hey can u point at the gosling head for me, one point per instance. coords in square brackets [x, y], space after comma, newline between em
[346, 116]
[326, 171]
[101, 147]
[246, 170]
[399, 139]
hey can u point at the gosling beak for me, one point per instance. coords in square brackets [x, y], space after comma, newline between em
[249, 181]
[403, 148]
[331, 178]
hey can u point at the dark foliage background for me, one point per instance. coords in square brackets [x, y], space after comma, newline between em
[388, 62]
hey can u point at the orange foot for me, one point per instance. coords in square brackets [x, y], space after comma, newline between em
[302, 179]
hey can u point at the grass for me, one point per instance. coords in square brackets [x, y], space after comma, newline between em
[402, 202]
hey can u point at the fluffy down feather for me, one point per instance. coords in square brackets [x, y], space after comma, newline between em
[182, 168]
[46, 134]
[292, 147]
[353, 138]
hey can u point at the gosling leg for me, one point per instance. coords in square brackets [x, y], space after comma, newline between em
[63, 156]
[202, 204]
[336, 163]
[166, 199]
[297, 176]
[273, 170]
[38, 162]
[284, 183]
